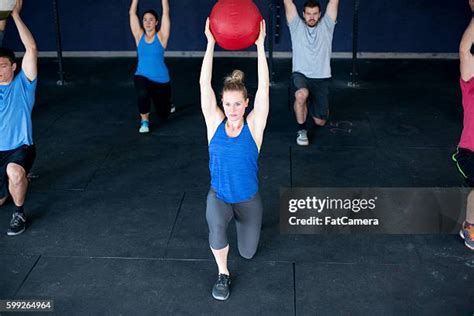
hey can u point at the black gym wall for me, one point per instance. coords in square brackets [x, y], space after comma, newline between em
[420, 26]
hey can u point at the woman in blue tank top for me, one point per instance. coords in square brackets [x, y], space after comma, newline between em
[234, 145]
[152, 80]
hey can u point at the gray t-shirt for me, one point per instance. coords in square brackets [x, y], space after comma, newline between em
[312, 47]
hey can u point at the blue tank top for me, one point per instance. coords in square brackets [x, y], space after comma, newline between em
[151, 60]
[233, 165]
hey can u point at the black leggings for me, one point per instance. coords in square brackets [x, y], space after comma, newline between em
[160, 93]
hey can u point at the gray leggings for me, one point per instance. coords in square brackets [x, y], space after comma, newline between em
[248, 222]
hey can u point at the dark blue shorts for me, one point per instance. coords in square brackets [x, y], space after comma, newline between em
[318, 100]
[24, 156]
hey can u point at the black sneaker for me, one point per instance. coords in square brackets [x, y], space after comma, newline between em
[17, 224]
[221, 290]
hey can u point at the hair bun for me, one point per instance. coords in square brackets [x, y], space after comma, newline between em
[237, 76]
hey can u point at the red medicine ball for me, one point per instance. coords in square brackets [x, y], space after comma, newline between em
[235, 24]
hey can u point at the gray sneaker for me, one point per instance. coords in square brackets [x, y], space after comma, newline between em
[221, 289]
[17, 224]
[302, 138]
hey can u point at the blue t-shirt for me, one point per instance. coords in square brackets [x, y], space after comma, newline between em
[16, 104]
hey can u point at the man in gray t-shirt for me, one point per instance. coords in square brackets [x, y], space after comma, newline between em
[311, 39]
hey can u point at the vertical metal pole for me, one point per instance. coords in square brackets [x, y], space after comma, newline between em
[355, 36]
[277, 4]
[59, 46]
[270, 40]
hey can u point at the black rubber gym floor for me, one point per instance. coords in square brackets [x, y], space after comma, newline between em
[118, 219]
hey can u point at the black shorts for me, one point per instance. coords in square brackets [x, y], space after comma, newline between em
[318, 101]
[464, 159]
[23, 156]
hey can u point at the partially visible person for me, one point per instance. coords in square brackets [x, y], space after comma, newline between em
[3, 25]
[17, 98]
[464, 156]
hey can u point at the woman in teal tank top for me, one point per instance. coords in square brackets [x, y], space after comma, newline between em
[234, 144]
[152, 80]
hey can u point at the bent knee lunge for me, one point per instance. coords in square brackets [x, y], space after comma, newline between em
[301, 96]
[249, 225]
[16, 173]
[218, 239]
[248, 240]
[319, 122]
[248, 253]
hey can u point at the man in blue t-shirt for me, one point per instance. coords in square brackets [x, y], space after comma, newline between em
[17, 97]
[311, 39]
